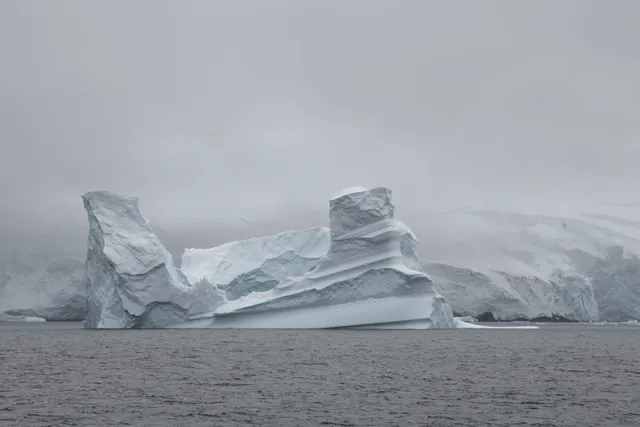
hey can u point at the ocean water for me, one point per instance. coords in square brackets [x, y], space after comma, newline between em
[58, 374]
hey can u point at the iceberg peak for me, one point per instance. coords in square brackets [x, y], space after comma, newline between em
[131, 278]
[360, 209]
[348, 190]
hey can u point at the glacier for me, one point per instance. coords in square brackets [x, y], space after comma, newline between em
[508, 296]
[49, 286]
[526, 266]
[362, 271]
[130, 277]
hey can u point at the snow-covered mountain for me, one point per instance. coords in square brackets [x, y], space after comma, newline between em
[582, 267]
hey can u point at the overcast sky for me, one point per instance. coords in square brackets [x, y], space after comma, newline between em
[219, 110]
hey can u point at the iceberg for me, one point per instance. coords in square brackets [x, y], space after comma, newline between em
[8, 318]
[362, 271]
[131, 278]
[460, 323]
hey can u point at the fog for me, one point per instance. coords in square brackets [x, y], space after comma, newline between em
[236, 112]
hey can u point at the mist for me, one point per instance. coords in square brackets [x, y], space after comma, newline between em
[253, 112]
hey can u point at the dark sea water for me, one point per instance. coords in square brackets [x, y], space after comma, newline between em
[560, 375]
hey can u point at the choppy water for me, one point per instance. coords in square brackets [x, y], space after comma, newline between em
[573, 375]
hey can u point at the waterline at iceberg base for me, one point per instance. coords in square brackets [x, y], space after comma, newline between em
[363, 271]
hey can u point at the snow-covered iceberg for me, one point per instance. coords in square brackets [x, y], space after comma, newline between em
[361, 272]
[257, 264]
[371, 275]
[131, 279]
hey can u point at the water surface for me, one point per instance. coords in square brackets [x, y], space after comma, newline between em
[58, 374]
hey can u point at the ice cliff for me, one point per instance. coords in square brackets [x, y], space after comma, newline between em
[511, 297]
[616, 282]
[515, 265]
[131, 279]
[370, 277]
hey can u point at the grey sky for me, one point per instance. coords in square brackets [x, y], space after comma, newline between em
[219, 110]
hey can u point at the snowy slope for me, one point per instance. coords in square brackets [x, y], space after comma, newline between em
[582, 267]
[257, 264]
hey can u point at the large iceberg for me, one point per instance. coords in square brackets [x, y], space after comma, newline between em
[131, 279]
[361, 272]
